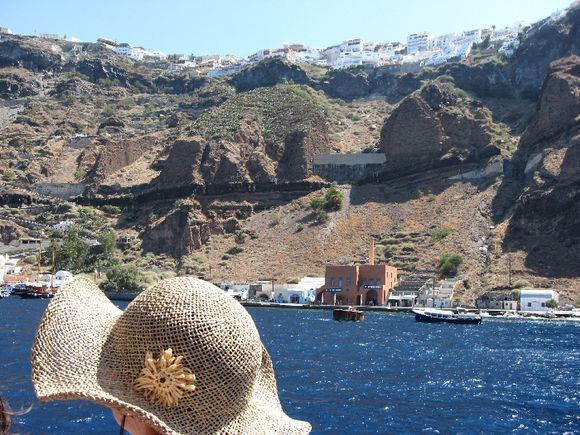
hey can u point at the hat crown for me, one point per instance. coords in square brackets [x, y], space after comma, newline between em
[213, 333]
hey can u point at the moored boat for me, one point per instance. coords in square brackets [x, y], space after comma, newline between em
[433, 315]
[348, 314]
[38, 292]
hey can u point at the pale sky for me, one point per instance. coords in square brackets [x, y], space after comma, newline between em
[243, 27]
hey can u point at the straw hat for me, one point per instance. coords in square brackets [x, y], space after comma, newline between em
[183, 356]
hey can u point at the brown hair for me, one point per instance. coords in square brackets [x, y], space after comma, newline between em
[4, 416]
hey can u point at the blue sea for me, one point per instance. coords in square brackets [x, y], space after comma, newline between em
[388, 374]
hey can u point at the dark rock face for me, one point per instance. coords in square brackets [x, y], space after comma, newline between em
[119, 155]
[434, 126]
[179, 85]
[412, 132]
[74, 86]
[96, 69]
[546, 215]
[14, 198]
[15, 85]
[355, 83]
[348, 84]
[180, 233]
[485, 80]
[269, 73]
[9, 231]
[246, 158]
[111, 122]
[547, 41]
[558, 105]
[16, 52]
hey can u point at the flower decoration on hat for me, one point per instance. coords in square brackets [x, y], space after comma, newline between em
[164, 381]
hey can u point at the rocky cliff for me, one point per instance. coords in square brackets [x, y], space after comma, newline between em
[545, 220]
[265, 135]
[439, 124]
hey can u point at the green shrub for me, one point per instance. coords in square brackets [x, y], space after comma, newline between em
[28, 111]
[111, 209]
[439, 234]
[79, 175]
[522, 283]
[299, 227]
[130, 278]
[275, 220]
[333, 199]
[317, 203]
[388, 252]
[235, 250]
[552, 304]
[9, 175]
[448, 264]
[240, 237]
[68, 100]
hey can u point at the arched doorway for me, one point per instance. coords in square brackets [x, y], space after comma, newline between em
[294, 299]
[371, 298]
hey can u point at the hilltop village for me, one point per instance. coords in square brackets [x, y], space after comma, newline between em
[420, 49]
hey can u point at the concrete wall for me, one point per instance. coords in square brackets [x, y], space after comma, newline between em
[345, 168]
[60, 190]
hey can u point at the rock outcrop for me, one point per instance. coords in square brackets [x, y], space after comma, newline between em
[118, 155]
[179, 84]
[261, 136]
[105, 72]
[546, 215]
[558, 105]
[547, 41]
[269, 73]
[179, 233]
[33, 54]
[438, 125]
[17, 83]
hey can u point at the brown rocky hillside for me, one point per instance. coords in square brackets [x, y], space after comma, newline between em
[215, 176]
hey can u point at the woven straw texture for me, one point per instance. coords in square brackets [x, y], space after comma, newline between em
[86, 348]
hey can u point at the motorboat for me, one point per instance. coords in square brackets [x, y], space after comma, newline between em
[38, 292]
[434, 315]
[349, 313]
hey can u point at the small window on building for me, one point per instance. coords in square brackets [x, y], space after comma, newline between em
[379, 282]
[543, 304]
[340, 282]
[529, 304]
[348, 281]
[332, 282]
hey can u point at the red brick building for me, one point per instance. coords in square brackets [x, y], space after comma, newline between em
[361, 284]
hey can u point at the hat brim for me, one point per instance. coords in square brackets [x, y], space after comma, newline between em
[65, 365]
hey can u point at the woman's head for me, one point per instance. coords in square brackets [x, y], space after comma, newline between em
[182, 357]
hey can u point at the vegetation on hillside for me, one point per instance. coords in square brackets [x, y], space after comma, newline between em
[449, 263]
[279, 110]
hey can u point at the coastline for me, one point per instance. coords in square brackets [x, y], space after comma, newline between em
[488, 314]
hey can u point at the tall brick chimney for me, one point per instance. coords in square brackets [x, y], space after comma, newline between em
[372, 253]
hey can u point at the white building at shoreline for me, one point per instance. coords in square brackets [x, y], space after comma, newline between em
[535, 300]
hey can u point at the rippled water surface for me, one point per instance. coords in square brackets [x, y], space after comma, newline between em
[388, 374]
